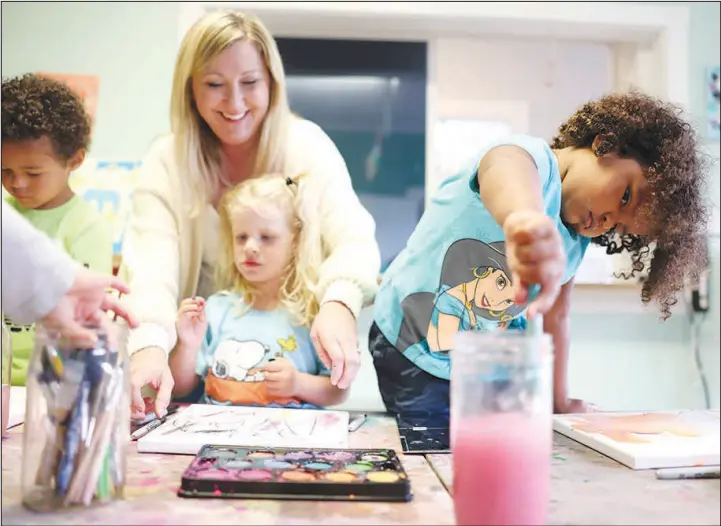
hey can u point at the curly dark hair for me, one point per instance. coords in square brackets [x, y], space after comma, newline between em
[653, 133]
[35, 106]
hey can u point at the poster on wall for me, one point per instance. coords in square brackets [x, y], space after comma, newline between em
[86, 86]
[712, 103]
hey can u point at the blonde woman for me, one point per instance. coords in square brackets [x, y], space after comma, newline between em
[231, 122]
[250, 342]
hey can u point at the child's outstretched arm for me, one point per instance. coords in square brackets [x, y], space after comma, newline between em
[191, 325]
[557, 324]
[282, 379]
[510, 187]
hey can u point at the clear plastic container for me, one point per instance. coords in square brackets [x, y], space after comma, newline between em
[7, 371]
[501, 427]
[77, 423]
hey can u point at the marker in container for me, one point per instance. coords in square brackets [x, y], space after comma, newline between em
[700, 472]
[356, 422]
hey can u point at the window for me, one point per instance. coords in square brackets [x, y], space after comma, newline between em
[370, 98]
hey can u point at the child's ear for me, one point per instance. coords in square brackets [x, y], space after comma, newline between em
[604, 144]
[76, 160]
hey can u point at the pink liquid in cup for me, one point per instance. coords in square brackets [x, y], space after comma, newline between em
[502, 469]
[5, 408]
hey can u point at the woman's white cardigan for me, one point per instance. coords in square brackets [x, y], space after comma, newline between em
[163, 245]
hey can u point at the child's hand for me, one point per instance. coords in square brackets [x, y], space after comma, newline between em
[536, 257]
[280, 378]
[191, 323]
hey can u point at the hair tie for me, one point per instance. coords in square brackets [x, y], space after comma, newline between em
[289, 181]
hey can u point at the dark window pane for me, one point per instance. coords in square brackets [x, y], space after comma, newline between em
[370, 98]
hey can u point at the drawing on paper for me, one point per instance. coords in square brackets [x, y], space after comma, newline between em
[645, 440]
[202, 424]
[643, 427]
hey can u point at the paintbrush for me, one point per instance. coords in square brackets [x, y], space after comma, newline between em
[534, 325]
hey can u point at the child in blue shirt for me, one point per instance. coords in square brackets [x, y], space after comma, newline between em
[250, 342]
[623, 172]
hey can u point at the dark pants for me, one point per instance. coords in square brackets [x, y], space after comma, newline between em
[405, 388]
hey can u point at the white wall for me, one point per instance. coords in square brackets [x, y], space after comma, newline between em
[540, 73]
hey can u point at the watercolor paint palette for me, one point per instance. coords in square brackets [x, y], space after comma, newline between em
[296, 474]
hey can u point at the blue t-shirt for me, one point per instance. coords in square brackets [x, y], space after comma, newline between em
[453, 275]
[239, 343]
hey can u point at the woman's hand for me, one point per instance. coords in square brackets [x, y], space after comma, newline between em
[150, 367]
[335, 337]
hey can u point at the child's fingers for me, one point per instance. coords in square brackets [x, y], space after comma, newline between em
[539, 273]
[277, 365]
[189, 310]
[529, 229]
[186, 307]
[520, 290]
[547, 249]
[273, 379]
[544, 301]
[199, 303]
[192, 303]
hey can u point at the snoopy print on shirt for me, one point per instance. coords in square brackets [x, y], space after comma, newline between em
[238, 345]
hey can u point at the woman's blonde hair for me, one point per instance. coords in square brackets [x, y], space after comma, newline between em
[301, 276]
[197, 148]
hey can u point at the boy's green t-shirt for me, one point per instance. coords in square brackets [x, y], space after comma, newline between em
[80, 230]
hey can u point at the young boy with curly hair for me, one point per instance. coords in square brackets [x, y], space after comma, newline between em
[623, 172]
[45, 135]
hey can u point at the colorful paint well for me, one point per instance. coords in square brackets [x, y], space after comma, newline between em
[337, 456]
[359, 467]
[278, 464]
[297, 455]
[255, 474]
[340, 477]
[261, 454]
[298, 476]
[374, 458]
[318, 466]
[382, 476]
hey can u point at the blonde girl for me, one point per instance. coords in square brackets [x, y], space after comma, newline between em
[250, 342]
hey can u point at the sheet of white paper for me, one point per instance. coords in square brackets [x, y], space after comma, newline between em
[193, 427]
